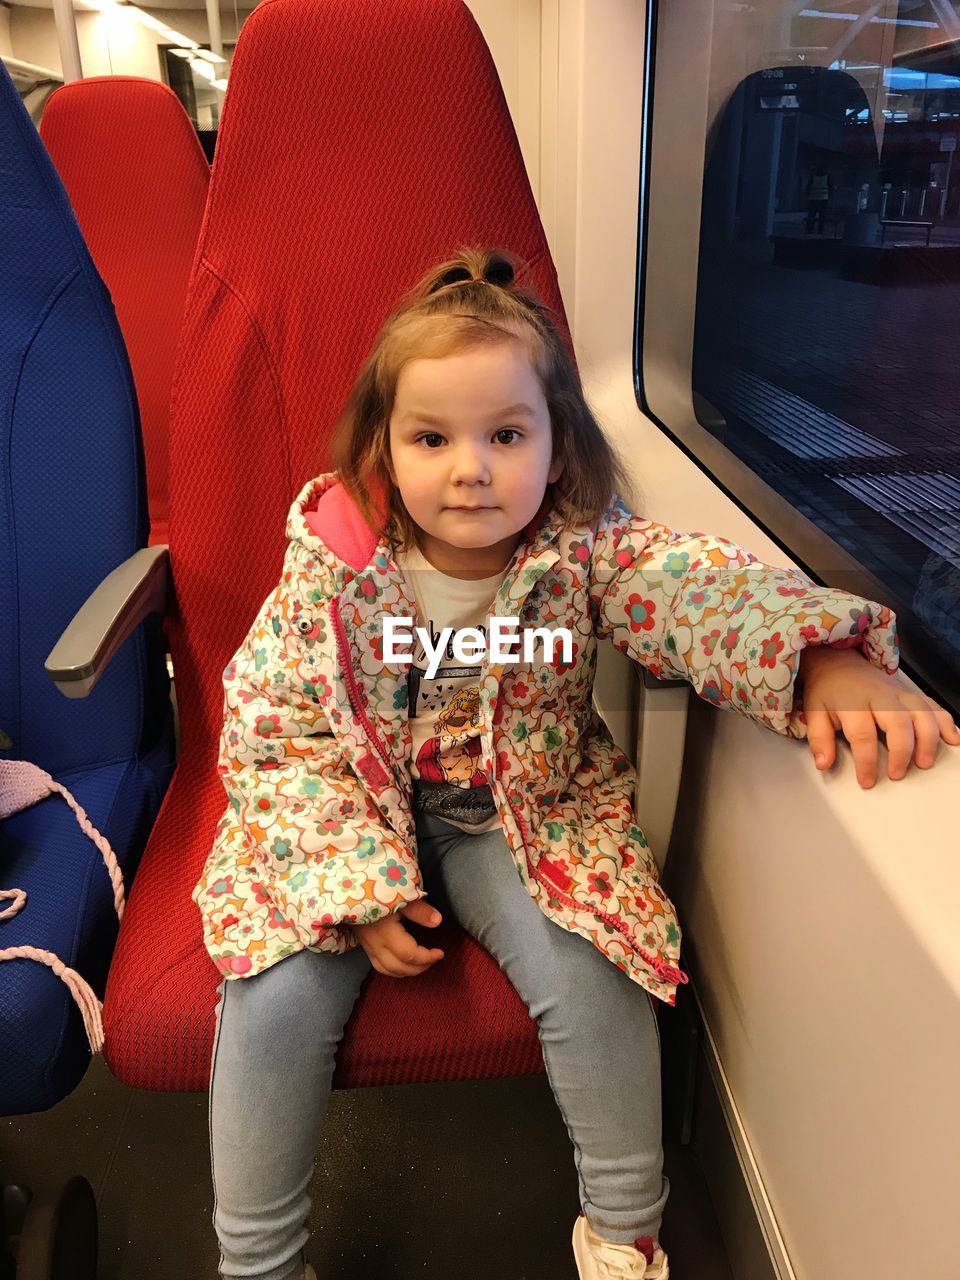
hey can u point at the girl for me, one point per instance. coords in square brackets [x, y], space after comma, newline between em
[472, 481]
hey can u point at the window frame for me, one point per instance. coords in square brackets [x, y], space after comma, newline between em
[668, 250]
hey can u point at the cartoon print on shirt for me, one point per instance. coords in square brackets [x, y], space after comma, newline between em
[450, 755]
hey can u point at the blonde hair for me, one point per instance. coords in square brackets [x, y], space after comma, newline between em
[472, 300]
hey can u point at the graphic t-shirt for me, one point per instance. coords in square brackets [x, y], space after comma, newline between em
[444, 711]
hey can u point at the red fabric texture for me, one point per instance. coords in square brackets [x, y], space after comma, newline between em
[360, 144]
[137, 178]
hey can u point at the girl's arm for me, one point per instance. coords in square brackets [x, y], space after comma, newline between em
[320, 841]
[701, 608]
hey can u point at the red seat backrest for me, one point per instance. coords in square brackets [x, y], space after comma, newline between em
[137, 178]
[360, 144]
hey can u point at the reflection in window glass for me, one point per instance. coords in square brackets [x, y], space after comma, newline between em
[828, 305]
[198, 76]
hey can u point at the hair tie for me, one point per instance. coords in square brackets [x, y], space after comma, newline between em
[499, 273]
[456, 275]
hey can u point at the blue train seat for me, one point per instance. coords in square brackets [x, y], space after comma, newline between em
[72, 508]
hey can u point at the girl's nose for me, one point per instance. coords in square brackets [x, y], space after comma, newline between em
[470, 467]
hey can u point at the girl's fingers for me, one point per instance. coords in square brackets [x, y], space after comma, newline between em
[945, 723]
[931, 723]
[394, 967]
[821, 736]
[907, 730]
[397, 953]
[926, 725]
[414, 954]
[417, 956]
[913, 726]
[860, 730]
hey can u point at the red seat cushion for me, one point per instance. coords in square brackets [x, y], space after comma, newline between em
[360, 144]
[459, 1019]
[137, 179]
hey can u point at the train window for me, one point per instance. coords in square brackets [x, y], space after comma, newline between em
[828, 285]
[198, 77]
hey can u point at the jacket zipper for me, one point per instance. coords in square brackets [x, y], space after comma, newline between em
[662, 968]
[353, 690]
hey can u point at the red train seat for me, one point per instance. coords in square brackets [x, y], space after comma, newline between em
[137, 179]
[359, 144]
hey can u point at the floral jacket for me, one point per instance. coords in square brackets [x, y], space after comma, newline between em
[319, 833]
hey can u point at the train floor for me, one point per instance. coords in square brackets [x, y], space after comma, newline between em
[473, 1180]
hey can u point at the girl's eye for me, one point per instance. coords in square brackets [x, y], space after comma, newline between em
[507, 431]
[429, 436]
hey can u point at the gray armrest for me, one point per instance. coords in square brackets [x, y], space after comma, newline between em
[133, 590]
[661, 734]
[648, 720]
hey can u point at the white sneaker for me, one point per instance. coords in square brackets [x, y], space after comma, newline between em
[599, 1259]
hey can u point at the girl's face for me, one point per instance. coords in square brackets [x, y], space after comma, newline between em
[471, 454]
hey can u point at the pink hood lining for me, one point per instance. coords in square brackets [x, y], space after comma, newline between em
[336, 520]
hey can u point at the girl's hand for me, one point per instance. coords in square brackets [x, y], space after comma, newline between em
[843, 690]
[394, 951]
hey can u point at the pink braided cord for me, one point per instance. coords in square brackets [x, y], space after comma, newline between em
[21, 785]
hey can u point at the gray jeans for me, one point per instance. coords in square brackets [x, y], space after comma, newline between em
[277, 1036]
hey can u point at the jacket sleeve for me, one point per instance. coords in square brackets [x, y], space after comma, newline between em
[700, 608]
[326, 858]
